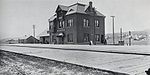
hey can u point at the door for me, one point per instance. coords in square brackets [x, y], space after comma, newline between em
[60, 40]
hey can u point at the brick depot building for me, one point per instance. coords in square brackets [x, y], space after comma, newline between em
[77, 24]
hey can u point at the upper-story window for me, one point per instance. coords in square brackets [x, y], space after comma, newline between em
[96, 23]
[61, 24]
[70, 23]
[51, 25]
[85, 22]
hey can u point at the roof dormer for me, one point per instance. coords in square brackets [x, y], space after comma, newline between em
[61, 8]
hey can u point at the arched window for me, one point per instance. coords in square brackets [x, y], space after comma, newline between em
[85, 22]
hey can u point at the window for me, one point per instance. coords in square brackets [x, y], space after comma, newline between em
[51, 25]
[71, 10]
[86, 37]
[61, 24]
[96, 23]
[97, 37]
[70, 23]
[85, 22]
[70, 37]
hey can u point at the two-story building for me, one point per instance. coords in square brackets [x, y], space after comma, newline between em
[77, 24]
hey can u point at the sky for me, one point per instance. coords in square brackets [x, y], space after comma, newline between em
[17, 17]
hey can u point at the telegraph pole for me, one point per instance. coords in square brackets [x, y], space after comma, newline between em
[120, 34]
[121, 42]
[130, 38]
[34, 30]
[113, 28]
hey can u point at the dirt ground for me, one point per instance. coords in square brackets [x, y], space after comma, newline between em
[19, 64]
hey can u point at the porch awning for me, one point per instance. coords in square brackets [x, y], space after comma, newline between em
[60, 34]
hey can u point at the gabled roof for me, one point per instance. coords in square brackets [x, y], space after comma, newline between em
[75, 8]
[62, 7]
[98, 13]
[80, 8]
[31, 37]
[86, 7]
[52, 17]
[26, 37]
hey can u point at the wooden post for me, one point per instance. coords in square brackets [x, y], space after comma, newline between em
[34, 30]
[113, 28]
[130, 38]
[120, 34]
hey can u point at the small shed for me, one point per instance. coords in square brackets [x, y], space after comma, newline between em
[29, 39]
[32, 39]
[12, 41]
[44, 37]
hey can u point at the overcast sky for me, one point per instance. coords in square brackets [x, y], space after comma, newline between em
[18, 16]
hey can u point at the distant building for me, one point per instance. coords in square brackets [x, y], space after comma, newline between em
[11, 41]
[44, 37]
[77, 24]
[29, 39]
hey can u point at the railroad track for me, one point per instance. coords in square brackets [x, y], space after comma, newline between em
[71, 49]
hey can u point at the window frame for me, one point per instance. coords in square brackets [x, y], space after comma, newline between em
[70, 23]
[86, 22]
[51, 25]
[97, 38]
[61, 24]
[97, 23]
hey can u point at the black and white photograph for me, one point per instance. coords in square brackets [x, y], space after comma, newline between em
[74, 37]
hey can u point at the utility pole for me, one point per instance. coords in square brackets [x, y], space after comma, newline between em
[113, 28]
[121, 42]
[120, 34]
[34, 30]
[130, 38]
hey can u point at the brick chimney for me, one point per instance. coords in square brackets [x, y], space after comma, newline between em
[90, 6]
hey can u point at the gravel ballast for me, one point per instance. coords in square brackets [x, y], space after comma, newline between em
[19, 64]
